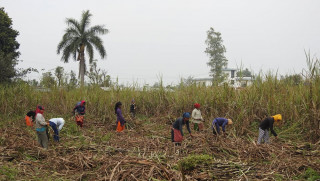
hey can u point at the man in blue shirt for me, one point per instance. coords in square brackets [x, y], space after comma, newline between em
[220, 122]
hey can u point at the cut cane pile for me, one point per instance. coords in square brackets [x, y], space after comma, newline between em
[145, 152]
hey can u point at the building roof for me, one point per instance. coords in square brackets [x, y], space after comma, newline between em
[228, 69]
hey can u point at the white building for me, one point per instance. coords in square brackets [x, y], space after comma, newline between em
[231, 79]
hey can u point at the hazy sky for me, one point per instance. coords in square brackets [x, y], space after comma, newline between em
[153, 38]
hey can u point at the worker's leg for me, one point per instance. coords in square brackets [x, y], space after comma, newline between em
[217, 128]
[45, 141]
[201, 126]
[266, 137]
[55, 130]
[214, 130]
[196, 126]
[39, 138]
[261, 135]
[42, 136]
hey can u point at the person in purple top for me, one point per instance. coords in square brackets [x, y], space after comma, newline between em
[220, 122]
[120, 120]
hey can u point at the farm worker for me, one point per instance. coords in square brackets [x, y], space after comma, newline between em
[176, 130]
[56, 125]
[79, 111]
[196, 118]
[120, 120]
[220, 122]
[30, 117]
[41, 126]
[133, 108]
[267, 124]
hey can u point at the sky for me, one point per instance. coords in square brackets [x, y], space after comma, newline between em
[149, 40]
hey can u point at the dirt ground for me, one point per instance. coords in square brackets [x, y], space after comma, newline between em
[145, 152]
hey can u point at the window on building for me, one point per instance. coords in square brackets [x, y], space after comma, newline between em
[232, 82]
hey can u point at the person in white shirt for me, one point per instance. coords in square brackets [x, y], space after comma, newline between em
[56, 124]
[196, 118]
[41, 127]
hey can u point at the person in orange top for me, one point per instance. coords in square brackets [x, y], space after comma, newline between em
[30, 117]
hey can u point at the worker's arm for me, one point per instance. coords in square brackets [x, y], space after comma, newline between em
[188, 127]
[180, 127]
[225, 122]
[271, 129]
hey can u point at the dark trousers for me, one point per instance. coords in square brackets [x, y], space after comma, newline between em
[55, 130]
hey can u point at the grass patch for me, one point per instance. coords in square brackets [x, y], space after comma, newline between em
[310, 175]
[191, 162]
[8, 172]
[106, 137]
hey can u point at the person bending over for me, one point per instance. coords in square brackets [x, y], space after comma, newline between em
[266, 125]
[220, 122]
[176, 130]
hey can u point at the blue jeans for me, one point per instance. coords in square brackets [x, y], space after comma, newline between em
[55, 130]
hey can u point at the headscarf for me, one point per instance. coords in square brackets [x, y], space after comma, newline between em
[82, 103]
[277, 117]
[186, 115]
[197, 105]
[39, 110]
[116, 106]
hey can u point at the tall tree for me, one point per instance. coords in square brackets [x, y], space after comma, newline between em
[294, 79]
[98, 76]
[215, 50]
[73, 82]
[59, 73]
[7, 64]
[47, 80]
[78, 38]
[244, 73]
[8, 43]
[8, 48]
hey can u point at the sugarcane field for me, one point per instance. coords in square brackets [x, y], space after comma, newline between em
[159, 90]
[144, 149]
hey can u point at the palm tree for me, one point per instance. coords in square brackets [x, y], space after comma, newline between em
[79, 37]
